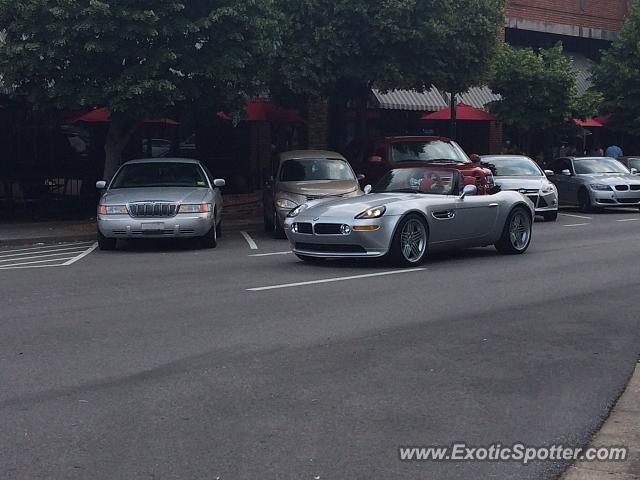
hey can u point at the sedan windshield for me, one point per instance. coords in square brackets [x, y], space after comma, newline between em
[433, 181]
[512, 167]
[588, 166]
[310, 169]
[427, 151]
[159, 174]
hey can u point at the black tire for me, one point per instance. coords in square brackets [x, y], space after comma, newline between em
[278, 231]
[268, 223]
[210, 240]
[309, 259]
[105, 243]
[584, 201]
[397, 254]
[219, 229]
[508, 245]
[550, 216]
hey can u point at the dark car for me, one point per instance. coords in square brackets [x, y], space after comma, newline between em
[387, 153]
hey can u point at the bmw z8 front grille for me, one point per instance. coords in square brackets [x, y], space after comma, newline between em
[152, 210]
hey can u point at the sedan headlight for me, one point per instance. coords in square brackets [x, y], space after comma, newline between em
[112, 210]
[285, 203]
[195, 208]
[375, 212]
[600, 187]
[548, 188]
[297, 211]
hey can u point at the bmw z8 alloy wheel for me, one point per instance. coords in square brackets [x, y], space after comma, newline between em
[516, 235]
[409, 245]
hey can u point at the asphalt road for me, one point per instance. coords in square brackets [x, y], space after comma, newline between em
[158, 361]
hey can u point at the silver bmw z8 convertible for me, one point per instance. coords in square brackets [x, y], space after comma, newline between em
[410, 212]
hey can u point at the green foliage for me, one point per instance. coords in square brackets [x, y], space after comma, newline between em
[538, 89]
[618, 74]
[136, 57]
[343, 47]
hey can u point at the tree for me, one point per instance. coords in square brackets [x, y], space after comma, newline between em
[342, 48]
[135, 57]
[618, 75]
[538, 90]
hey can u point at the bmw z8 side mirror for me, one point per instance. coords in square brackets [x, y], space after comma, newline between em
[367, 189]
[374, 159]
[360, 177]
[549, 173]
[468, 190]
[219, 182]
[101, 185]
[566, 172]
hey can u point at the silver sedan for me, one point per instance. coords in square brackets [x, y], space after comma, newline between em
[168, 197]
[595, 182]
[410, 212]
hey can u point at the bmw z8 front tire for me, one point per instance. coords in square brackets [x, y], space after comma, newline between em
[516, 235]
[410, 241]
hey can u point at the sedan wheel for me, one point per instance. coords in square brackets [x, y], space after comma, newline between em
[409, 245]
[516, 235]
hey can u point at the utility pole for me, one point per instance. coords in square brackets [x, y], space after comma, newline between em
[453, 130]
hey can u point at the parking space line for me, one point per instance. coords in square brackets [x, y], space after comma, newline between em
[74, 244]
[38, 252]
[82, 255]
[270, 254]
[576, 216]
[576, 225]
[3, 267]
[252, 244]
[335, 279]
[34, 256]
[628, 220]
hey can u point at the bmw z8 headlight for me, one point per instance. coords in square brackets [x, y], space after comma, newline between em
[375, 212]
[297, 211]
[600, 187]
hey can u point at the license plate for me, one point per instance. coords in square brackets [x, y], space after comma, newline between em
[153, 226]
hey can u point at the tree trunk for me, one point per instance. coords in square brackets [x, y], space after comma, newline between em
[318, 124]
[118, 135]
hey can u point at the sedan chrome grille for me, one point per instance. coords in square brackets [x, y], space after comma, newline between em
[152, 210]
[318, 197]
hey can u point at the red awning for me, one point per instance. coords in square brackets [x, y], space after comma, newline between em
[102, 115]
[265, 111]
[604, 119]
[463, 112]
[588, 123]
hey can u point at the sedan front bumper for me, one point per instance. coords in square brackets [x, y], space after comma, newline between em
[322, 238]
[613, 198]
[181, 225]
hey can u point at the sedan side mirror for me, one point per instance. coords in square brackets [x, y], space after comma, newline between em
[101, 185]
[360, 177]
[634, 171]
[367, 189]
[566, 172]
[468, 190]
[219, 182]
[375, 159]
[549, 173]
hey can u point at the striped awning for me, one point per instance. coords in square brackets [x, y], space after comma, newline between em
[429, 101]
[479, 97]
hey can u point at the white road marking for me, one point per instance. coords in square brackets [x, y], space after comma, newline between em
[576, 216]
[33, 257]
[252, 244]
[36, 260]
[78, 244]
[80, 247]
[269, 254]
[82, 255]
[335, 279]
[576, 225]
[628, 220]
[3, 267]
